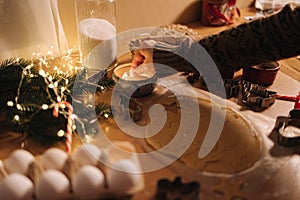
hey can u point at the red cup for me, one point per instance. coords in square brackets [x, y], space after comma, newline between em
[263, 74]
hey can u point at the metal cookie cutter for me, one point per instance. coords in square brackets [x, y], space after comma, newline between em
[257, 96]
[167, 190]
[288, 128]
[134, 108]
[232, 87]
[252, 95]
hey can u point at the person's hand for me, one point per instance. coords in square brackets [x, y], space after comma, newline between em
[165, 54]
[142, 58]
[143, 54]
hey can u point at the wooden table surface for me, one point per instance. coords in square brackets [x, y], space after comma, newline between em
[286, 83]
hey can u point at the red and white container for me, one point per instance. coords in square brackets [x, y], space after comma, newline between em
[218, 12]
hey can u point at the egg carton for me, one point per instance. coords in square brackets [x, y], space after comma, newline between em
[82, 175]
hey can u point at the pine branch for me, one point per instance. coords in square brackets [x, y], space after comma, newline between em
[32, 91]
[11, 69]
[14, 62]
[105, 84]
[103, 110]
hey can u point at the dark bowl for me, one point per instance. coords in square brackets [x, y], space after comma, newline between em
[263, 74]
[144, 86]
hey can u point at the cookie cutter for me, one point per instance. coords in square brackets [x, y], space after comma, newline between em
[232, 87]
[288, 127]
[167, 190]
[254, 95]
[134, 108]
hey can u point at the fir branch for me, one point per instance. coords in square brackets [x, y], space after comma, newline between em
[21, 83]
[14, 62]
[105, 83]
[103, 110]
[96, 83]
[11, 69]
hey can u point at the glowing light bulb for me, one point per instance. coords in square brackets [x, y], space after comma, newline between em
[51, 86]
[19, 107]
[17, 118]
[87, 138]
[10, 103]
[45, 106]
[60, 133]
[42, 73]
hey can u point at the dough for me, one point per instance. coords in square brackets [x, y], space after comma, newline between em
[237, 149]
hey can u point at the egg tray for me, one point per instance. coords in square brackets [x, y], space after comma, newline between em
[282, 123]
[57, 175]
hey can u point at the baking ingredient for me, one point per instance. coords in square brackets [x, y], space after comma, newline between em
[88, 183]
[52, 185]
[87, 154]
[134, 75]
[123, 176]
[3, 173]
[16, 187]
[237, 149]
[18, 161]
[54, 158]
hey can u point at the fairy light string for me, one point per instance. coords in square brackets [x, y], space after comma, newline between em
[57, 85]
[53, 77]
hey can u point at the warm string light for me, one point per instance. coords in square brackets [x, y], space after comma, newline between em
[47, 65]
[56, 72]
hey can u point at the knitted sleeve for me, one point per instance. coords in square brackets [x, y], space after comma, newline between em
[268, 39]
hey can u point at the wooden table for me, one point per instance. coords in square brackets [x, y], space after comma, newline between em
[286, 83]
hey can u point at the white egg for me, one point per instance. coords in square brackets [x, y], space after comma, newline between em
[87, 154]
[3, 172]
[123, 176]
[16, 187]
[1, 164]
[18, 161]
[88, 183]
[54, 158]
[52, 185]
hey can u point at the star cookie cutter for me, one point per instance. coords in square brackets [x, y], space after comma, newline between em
[168, 190]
